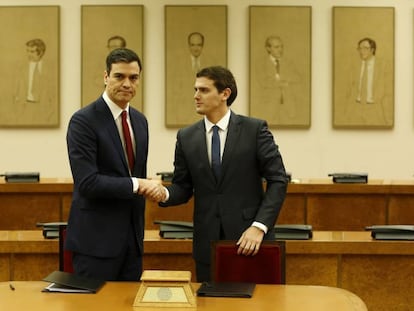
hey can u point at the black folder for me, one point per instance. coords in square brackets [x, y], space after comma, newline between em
[16, 177]
[392, 232]
[51, 229]
[64, 282]
[293, 232]
[226, 289]
[175, 229]
[349, 178]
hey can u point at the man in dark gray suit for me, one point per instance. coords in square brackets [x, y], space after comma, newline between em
[106, 223]
[232, 203]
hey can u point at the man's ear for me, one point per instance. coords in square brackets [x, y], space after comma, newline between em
[105, 77]
[226, 93]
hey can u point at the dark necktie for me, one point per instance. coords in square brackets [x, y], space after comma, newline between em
[128, 141]
[364, 84]
[215, 152]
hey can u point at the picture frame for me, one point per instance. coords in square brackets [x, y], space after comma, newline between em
[280, 65]
[363, 35]
[30, 57]
[200, 34]
[103, 28]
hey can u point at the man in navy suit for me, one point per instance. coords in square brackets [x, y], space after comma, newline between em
[232, 203]
[106, 223]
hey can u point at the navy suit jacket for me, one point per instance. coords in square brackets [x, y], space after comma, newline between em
[237, 199]
[104, 205]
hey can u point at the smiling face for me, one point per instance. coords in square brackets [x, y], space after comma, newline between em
[122, 81]
[209, 101]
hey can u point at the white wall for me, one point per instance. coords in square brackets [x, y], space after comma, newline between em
[310, 153]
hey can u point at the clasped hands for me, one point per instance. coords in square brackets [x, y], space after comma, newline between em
[152, 189]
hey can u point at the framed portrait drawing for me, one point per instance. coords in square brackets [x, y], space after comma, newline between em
[363, 67]
[104, 28]
[280, 65]
[30, 57]
[198, 40]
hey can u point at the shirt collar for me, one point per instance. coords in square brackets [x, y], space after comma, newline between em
[370, 61]
[115, 109]
[274, 59]
[222, 124]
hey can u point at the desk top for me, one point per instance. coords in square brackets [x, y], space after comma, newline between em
[323, 242]
[315, 185]
[120, 296]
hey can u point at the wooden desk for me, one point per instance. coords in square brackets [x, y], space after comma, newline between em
[319, 202]
[377, 271]
[22, 205]
[326, 206]
[380, 272]
[120, 296]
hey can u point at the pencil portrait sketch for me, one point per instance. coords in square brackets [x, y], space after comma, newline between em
[31, 60]
[197, 41]
[280, 68]
[363, 94]
[104, 28]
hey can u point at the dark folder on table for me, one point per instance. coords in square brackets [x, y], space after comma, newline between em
[392, 232]
[170, 229]
[293, 232]
[226, 289]
[64, 282]
[349, 178]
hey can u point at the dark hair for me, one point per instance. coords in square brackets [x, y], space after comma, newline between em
[121, 55]
[222, 78]
[122, 39]
[371, 43]
[39, 44]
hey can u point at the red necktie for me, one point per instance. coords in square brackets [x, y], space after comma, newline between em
[128, 141]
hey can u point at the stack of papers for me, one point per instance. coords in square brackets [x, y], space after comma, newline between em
[64, 282]
[392, 232]
[175, 229]
[293, 232]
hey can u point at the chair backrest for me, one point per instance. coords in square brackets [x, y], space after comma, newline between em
[65, 257]
[266, 267]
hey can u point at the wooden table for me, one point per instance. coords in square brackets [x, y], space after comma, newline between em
[377, 271]
[120, 296]
[319, 202]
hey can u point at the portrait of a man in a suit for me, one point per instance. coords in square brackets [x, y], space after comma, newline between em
[363, 67]
[30, 61]
[35, 88]
[280, 65]
[369, 92]
[199, 42]
[278, 84]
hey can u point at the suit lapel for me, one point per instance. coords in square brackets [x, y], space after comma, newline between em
[201, 146]
[109, 124]
[233, 135]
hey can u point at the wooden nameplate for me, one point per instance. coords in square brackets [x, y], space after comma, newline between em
[163, 288]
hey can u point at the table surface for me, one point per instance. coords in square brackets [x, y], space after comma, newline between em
[120, 296]
[323, 242]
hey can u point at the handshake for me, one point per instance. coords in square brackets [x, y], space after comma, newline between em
[152, 189]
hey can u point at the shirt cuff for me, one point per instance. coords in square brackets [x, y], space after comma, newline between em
[135, 184]
[167, 195]
[260, 226]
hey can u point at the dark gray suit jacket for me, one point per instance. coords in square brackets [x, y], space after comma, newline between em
[237, 199]
[104, 205]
